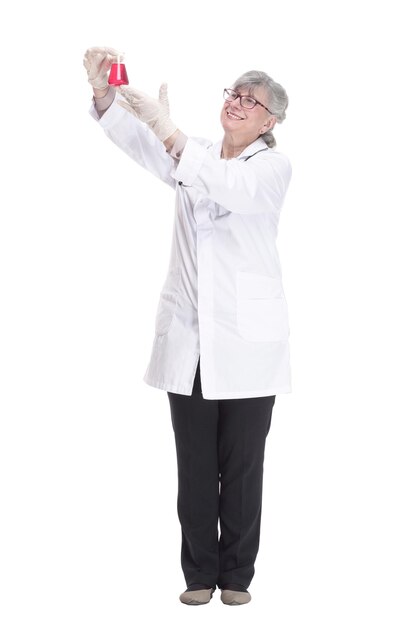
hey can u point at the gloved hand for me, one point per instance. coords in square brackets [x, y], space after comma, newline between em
[97, 62]
[154, 113]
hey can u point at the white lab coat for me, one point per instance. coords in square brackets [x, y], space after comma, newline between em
[222, 299]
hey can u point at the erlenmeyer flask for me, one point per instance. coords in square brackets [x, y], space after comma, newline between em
[118, 74]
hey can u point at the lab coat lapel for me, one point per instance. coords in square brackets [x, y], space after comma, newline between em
[255, 146]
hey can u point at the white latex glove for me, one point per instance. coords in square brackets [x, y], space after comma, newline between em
[154, 113]
[97, 62]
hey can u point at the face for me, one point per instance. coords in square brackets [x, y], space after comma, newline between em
[245, 125]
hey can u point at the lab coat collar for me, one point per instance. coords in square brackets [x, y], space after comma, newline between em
[255, 146]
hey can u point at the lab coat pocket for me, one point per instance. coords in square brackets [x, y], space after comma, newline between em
[261, 308]
[168, 301]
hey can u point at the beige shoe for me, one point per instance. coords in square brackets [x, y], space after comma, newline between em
[234, 598]
[202, 596]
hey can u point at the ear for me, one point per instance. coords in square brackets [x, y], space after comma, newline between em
[269, 124]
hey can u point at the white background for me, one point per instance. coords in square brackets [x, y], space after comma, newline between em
[89, 531]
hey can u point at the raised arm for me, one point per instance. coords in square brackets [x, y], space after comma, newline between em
[257, 185]
[131, 135]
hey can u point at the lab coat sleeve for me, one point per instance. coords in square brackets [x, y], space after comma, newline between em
[136, 140]
[257, 185]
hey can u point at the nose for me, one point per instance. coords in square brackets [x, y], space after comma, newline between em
[235, 104]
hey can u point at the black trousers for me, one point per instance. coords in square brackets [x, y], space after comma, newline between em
[220, 453]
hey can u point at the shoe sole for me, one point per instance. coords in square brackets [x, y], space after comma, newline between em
[233, 602]
[196, 602]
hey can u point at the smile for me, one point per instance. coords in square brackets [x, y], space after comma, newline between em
[232, 116]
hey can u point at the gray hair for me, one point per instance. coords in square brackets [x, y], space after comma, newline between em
[277, 97]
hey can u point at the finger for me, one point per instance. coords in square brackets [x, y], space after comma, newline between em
[93, 53]
[126, 92]
[133, 96]
[114, 53]
[103, 50]
[91, 59]
[132, 92]
[97, 60]
[101, 58]
[107, 63]
[163, 94]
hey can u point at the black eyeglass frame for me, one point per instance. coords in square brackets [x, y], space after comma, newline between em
[238, 95]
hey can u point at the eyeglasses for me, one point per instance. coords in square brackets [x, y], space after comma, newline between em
[247, 102]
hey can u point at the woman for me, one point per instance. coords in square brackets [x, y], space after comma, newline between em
[221, 338]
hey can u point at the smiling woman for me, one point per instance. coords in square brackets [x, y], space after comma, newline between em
[253, 97]
[220, 349]
[242, 125]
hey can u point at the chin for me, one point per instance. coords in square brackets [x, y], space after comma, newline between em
[228, 124]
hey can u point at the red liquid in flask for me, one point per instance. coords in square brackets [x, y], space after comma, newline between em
[118, 74]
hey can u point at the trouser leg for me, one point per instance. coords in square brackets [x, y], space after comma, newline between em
[195, 422]
[243, 428]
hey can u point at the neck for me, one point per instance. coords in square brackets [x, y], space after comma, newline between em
[232, 146]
